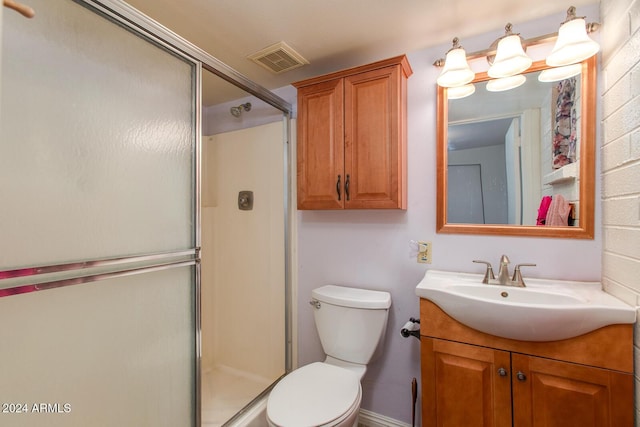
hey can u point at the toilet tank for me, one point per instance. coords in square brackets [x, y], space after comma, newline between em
[351, 322]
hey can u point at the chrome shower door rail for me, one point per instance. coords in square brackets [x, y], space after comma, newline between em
[39, 278]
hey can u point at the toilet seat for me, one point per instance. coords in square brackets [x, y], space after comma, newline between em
[317, 394]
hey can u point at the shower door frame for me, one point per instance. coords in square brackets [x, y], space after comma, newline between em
[132, 18]
[144, 26]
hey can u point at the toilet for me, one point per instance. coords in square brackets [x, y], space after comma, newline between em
[351, 323]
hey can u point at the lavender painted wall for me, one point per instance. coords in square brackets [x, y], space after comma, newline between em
[370, 249]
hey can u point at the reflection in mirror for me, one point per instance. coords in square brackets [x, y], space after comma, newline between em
[503, 160]
[520, 161]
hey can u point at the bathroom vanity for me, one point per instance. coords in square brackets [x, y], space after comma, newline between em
[473, 378]
[470, 378]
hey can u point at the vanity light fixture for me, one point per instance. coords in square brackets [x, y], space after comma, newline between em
[460, 92]
[510, 57]
[573, 45]
[559, 73]
[456, 71]
[505, 83]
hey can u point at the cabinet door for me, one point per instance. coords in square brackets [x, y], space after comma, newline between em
[550, 393]
[321, 146]
[464, 385]
[375, 139]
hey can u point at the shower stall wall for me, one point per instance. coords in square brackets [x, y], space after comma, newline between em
[243, 269]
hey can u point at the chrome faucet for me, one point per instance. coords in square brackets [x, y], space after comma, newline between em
[503, 273]
[488, 274]
[516, 280]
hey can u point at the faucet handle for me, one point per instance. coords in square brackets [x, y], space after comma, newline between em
[517, 276]
[488, 275]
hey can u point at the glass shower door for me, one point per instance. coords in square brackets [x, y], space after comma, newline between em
[98, 224]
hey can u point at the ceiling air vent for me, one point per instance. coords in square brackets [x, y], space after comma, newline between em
[278, 58]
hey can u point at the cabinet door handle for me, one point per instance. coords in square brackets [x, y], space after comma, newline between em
[346, 187]
[502, 372]
[338, 188]
[521, 376]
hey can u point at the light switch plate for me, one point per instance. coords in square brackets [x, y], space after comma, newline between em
[424, 252]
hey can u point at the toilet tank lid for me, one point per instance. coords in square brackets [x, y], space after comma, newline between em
[352, 297]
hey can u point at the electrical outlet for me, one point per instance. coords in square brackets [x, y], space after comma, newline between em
[424, 252]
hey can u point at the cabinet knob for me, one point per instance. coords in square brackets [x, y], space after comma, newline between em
[502, 372]
[521, 376]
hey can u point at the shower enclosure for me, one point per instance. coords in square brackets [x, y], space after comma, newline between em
[122, 261]
[243, 250]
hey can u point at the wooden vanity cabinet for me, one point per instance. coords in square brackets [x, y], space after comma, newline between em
[461, 387]
[554, 393]
[470, 378]
[351, 132]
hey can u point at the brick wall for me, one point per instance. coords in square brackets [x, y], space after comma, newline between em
[620, 155]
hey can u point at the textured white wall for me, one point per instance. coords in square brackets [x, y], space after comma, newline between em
[620, 155]
[371, 248]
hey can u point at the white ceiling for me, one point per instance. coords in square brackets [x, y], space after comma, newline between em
[335, 34]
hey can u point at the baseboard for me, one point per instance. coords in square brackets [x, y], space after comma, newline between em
[256, 417]
[371, 419]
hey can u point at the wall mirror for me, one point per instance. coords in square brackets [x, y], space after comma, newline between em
[496, 157]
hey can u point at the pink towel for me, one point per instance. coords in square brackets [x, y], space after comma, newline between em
[559, 210]
[543, 209]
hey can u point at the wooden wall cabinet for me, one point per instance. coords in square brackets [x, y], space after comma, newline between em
[351, 151]
[470, 378]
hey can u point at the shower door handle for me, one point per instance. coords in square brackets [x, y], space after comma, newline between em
[338, 188]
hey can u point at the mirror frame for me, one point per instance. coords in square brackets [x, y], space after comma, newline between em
[587, 167]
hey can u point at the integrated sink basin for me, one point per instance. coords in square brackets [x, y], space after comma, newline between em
[545, 310]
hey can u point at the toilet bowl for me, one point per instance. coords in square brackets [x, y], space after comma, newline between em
[318, 394]
[351, 323]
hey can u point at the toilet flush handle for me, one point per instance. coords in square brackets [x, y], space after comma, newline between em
[315, 303]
